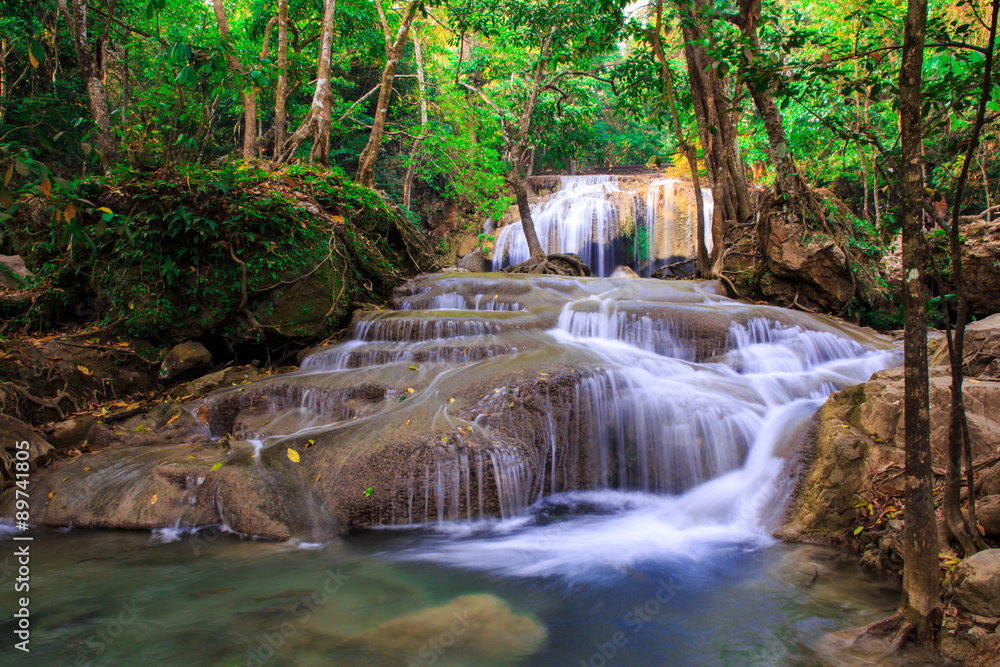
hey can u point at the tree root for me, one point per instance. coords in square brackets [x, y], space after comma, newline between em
[553, 265]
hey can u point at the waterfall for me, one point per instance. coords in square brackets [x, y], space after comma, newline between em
[609, 221]
[660, 387]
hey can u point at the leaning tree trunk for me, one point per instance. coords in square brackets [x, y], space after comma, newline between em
[318, 119]
[93, 77]
[920, 603]
[247, 94]
[393, 50]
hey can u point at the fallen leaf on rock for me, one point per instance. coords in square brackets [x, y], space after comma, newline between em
[216, 466]
[203, 414]
[83, 369]
[293, 455]
[152, 501]
[173, 419]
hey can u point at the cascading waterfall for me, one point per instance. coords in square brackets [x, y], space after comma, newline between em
[609, 221]
[676, 388]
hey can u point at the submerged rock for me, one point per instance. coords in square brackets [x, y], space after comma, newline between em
[474, 628]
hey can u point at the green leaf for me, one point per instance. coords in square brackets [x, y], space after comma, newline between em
[216, 466]
[36, 53]
[857, 531]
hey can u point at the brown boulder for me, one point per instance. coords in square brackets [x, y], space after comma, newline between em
[858, 440]
[13, 272]
[15, 434]
[977, 583]
[185, 360]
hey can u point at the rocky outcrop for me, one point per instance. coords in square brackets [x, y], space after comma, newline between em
[855, 453]
[977, 583]
[13, 272]
[185, 361]
[981, 264]
[13, 449]
[982, 349]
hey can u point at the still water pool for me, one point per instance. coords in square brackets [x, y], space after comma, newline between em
[597, 578]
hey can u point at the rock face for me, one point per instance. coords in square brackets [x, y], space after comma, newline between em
[977, 583]
[858, 437]
[980, 252]
[184, 361]
[810, 257]
[13, 272]
[14, 433]
[982, 348]
[463, 403]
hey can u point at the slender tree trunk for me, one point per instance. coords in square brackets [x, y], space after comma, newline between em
[247, 94]
[318, 119]
[920, 605]
[970, 539]
[516, 185]
[90, 71]
[393, 50]
[281, 91]
[689, 151]
[415, 150]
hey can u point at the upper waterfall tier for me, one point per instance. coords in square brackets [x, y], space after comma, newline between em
[639, 221]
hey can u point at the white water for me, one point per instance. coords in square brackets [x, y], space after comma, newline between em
[588, 217]
[693, 454]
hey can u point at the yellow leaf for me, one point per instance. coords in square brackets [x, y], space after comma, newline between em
[51, 493]
[152, 501]
[173, 419]
[409, 390]
[65, 478]
[32, 59]
[106, 210]
[265, 422]
[318, 476]
[86, 469]
[451, 400]
[46, 187]
[407, 422]
[293, 455]
[83, 369]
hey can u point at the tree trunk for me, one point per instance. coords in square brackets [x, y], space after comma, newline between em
[393, 50]
[90, 71]
[247, 94]
[281, 91]
[516, 185]
[318, 119]
[920, 605]
[715, 117]
[415, 150]
[689, 151]
[970, 539]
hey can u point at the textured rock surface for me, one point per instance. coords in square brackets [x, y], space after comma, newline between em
[859, 432]
[185, 360]
[15, 432]
[977, 583]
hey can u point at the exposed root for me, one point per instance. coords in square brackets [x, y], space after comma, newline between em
[553, 265]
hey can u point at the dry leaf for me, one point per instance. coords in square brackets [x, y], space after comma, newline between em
[293, 455]
[83, 369]
[173, 419]
[152, 501]
[203, 414]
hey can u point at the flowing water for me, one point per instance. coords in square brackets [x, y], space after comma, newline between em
[611, 221]
[640, 537]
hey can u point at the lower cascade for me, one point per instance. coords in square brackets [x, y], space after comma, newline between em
[642, 222]
[483, 394]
